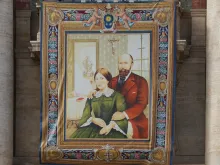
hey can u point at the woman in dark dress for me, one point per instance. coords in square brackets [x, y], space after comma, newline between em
[96, 119]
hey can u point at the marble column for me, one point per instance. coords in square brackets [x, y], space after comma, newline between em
[6, 82]
[213, 84]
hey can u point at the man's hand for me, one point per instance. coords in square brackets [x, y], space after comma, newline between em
[99, 122]
[91, 94]
[118, 116]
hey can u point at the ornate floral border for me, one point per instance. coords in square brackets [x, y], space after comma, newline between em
[160, 154]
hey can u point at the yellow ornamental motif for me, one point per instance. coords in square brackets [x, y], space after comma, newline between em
[53, 153]
[158, 155]
[162, 86]
[162, 17]
[53, 85]
[108, 18]
[54, 16]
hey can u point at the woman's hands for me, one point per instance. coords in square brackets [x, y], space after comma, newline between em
[99, 122]
[107, 129]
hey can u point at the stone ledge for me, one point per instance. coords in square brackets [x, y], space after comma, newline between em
[194, 60]
[35, 161]
[181, 45]
[35, 50]
[186, 15]
[198, 12]
[182, 50]
[198, 48]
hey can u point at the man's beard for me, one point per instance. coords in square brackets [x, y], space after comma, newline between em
[124, 72]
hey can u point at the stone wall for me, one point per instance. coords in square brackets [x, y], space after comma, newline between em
[186, 26]
[27, 91]
[190, 110]
[190, 94]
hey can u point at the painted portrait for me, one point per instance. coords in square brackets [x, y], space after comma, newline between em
[108, 85]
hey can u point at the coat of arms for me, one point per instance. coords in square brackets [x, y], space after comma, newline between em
[108, 18]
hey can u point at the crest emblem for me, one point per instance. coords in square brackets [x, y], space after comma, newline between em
[108, 18]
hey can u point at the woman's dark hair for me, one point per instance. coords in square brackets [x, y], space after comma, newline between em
[105, 73]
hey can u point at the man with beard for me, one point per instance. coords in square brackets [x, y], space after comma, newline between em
[135, 90]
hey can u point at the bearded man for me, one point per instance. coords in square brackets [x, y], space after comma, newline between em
[135, 90]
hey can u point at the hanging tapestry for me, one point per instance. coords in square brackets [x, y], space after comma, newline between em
[107, 75]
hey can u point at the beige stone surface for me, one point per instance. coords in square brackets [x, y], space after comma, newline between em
[213, 84]
[6, 82]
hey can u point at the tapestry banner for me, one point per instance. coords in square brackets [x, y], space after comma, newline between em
[107, 83]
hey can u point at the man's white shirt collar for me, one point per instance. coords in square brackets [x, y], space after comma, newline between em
[127, 76]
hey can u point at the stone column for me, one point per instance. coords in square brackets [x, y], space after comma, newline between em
[213, 84]
[6, 82]
[198, 13]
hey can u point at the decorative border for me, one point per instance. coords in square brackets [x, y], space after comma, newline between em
[162, 14]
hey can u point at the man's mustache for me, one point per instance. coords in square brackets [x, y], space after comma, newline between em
[124, 72]
[124, 69]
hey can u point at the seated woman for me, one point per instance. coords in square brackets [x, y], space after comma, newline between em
[96, 119]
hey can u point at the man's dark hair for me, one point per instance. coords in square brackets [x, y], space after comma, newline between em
[132, 60]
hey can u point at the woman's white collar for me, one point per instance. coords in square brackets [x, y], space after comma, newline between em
[107, 93]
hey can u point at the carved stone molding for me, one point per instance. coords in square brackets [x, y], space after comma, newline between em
[181, 46]
[35, 50]
[198, 12]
